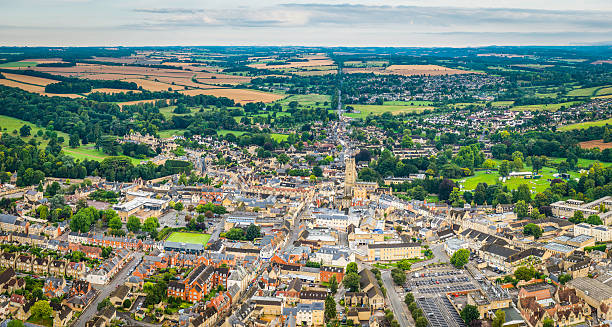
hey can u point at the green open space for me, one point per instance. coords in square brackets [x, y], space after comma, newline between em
[408, 103]
[89, 152]
[583, 92]
[548, 107]
[306, 99]
[586, 124]
[10, 124]
[19, 64]
[367, 109]
[171, 132]
[186, 237]
[604, 91]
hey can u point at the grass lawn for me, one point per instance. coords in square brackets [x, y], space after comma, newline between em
[9, 124]
[89, 152]
[170, 133]
[279, 137]
[502, 103]
[191, 238]
[19, 64]
[582, 163]
[586, 124]
[41, 322]
[306, 99]
[548, 107]
[366, 109]
[223, 132]
[481, 176]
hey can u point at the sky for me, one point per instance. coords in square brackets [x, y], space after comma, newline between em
[413, 23]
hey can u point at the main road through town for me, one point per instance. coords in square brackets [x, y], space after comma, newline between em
[106, 290]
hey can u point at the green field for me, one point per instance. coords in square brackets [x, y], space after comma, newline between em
[19, 64]
[306, 99]
[9, 124]
[408, 103]
[604, 91]
[583, 92]
[223, 132]
[366, 109]
[502, 103]
[547, 107]
[171, 132]
[191, 238]
[89, 152]
[586, 124]
[469, 183]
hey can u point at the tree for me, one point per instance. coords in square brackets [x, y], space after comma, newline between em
[421, 322]
[522, 193]
[127, 303]
[500, 318]
[351, 281]
[578, 217]
[469, 313]
[409, 298]
[43, 211]
[524, 273]
[460, 258]
[330, 308]
[105, 303]
[115, 223]
[352, 267]
[564, 278]
[253, 232]
[151, 225]
[25, 131]
[445, 188]
[53, 189]
[532, 229]
[521, 209]
[548, 323]
[15, 323]
[594, 220]
[333, 284]
[179, 206]
[235, 234]
[398, 275]
[41, 310]
[404, 264]
[133, 224]
[317, 171]
[504, 168]
[74, 141]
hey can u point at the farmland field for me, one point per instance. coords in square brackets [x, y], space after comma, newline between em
[548, 107]
[29, 79]
[586, 124]
[191, 238]
[238, 95]
[583, 92]
[408, 70]
[153, 85]
[366, 109]
[604, 91]
[18, 64]
[595, 144]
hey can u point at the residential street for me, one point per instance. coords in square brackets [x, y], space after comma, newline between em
[400, 310]
[106, 290]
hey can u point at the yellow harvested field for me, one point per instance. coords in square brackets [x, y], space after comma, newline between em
[153, 85]
[113, 91]
[408, 70]
[30, 79]
[35, 89]
[44, 60]
[315, 72]
[238, 95]
[424, 70]
[26, 87]
[595, 144]
[309, 63]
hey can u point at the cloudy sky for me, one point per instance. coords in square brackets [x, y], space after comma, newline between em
[305, 22]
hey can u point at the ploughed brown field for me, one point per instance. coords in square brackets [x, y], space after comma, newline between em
[595, 144]
[409, 70]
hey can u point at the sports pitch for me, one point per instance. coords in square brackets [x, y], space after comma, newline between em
[191, 238]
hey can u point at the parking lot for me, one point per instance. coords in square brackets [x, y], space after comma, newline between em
[430, 287]
[439, 312]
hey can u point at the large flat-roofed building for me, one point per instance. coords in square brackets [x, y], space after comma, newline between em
[393, 251]
[141, 207]
[568, 207]
[600, 233]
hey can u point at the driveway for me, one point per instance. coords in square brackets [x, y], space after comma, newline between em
[106, 290]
